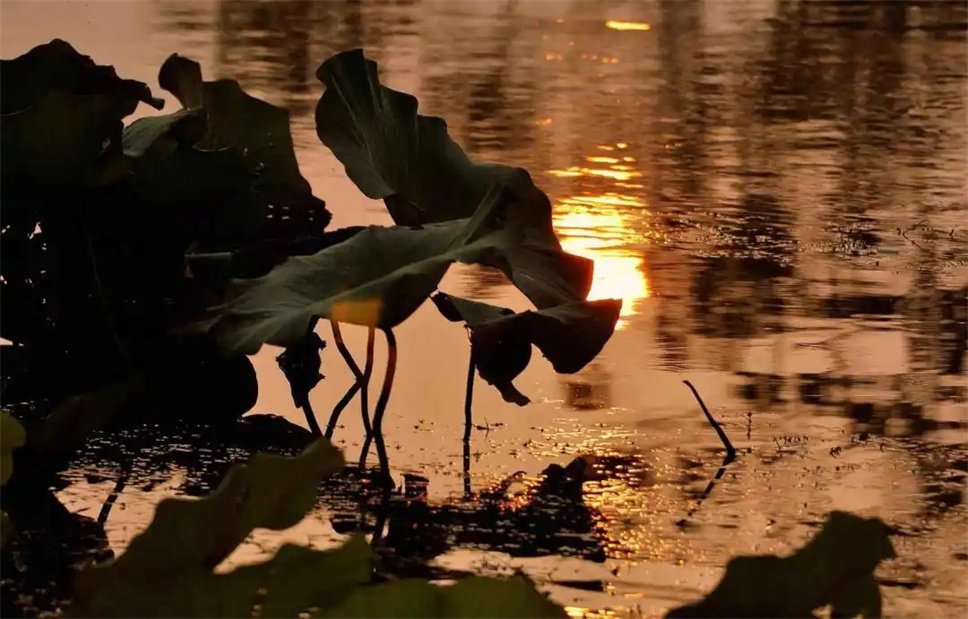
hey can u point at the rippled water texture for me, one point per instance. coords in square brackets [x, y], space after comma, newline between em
[776, 190]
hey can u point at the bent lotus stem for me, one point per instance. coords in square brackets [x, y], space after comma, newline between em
[381, 403]
[365, 385]
[307, 409]
[361, 381]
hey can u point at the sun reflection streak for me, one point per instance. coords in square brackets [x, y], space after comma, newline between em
[591, 226]
[600, 223]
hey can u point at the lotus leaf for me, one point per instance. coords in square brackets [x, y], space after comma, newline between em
[410, 161]
[470, 597]
[378, 277]
[295, 579]
[835, 568]
[258, 130]
[57, 66]
[12, 436]
[569, 335]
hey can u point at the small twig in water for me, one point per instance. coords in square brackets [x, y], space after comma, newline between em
[730, 450]
[730, 455]
[102, 516]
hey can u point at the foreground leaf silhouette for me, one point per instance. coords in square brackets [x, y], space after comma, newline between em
[423, 176]
[471, 597]
[12, 436]
[569, 336]
[187, 539]
[835, 568]
[168, 571]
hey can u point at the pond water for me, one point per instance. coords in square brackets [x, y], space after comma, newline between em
[775, 189]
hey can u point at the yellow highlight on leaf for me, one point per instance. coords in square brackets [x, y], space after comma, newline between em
[627, 25]
[365, 312]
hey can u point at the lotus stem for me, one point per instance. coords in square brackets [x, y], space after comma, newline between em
[361, 379]
[307, 408]
[381, 403]
[365, 385]
[468, 400]
[311, 418]
[467, 469]
[730, 450]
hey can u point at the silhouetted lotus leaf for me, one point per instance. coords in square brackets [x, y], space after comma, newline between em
[423, 176]
[568, 335]
[835, 568]
[12, 436]
[256, 129]
[56, 66]
[378, 277]
[167, 569]
[62, 116]
[58, 142]
[182, 127]
[470, 597]
[295, 579]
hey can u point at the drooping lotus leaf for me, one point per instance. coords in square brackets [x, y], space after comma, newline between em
[392, 152]
[56, 66]
[295, 579]
[377, 278]
[568, 335]
[470, 597]
[12, 436]
[835, 568]
[256, 129]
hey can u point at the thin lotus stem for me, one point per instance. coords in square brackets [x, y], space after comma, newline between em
[467, 469]
[365, 381]
[351, 392]
[102, 517]
[383, 513]
[468, 401]
[311, 418]
[381, 403]
[730, 450]
[365, 451]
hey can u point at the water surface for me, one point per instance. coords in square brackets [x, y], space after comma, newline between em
[775, 189]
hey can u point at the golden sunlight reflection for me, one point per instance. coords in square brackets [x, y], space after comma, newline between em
[628, 25]
[591, 226]
[615, 174]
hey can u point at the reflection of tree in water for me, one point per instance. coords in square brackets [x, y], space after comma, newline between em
[483, 83]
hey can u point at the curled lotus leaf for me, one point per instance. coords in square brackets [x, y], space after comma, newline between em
[569, 335]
